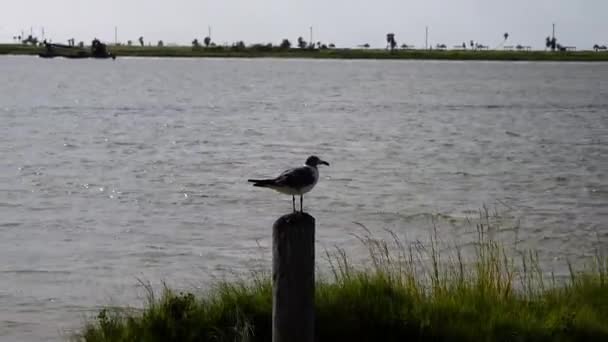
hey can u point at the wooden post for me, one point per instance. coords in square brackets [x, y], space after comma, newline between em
[293, 278]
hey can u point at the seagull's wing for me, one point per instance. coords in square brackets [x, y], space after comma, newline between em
[296, 178]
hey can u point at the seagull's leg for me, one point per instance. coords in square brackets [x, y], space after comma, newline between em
[293, 200]
[301, 205]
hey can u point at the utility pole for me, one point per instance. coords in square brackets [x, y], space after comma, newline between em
[311, 42]
[426, 39]
[553, 34]
[209, 31]
[115, 35]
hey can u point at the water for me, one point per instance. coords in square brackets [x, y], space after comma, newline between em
[112, 172]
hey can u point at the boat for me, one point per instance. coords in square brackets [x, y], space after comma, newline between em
[98, 50]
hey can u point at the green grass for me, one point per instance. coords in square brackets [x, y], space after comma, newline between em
[404, 294]
[19, 49]
[257, 52]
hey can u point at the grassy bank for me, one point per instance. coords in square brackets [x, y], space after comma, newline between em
[406, 294]
[262, 51]
[19, 49]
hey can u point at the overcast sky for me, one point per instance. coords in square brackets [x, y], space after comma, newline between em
[346, 23]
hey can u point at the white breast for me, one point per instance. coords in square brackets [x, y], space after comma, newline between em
[316, 176]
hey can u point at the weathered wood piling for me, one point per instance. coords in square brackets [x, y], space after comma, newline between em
[293, 278]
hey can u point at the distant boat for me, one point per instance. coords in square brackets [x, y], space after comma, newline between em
[98, 50]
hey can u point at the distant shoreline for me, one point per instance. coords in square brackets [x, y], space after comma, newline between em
[264, 52]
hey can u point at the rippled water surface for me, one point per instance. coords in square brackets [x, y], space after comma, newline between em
[112, 172]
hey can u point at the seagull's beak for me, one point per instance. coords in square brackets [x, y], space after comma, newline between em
[323, 162]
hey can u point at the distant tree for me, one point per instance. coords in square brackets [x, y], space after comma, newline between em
[129, 42]
[30, 40]
[240, 45]
[366, 46]
[551, 43]
[506, 35]
[160, 43]
[390, 41]
[472, 43]
[301, 43]
[464, 45]
[598, 47]
[285, 44]
[207, 41]
[141, 41]
[332, 45]
[81, 44]
[262, 47]
[554, 44]
[195, 43]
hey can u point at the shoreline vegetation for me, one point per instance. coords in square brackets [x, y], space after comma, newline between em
[405, 293]
[263, 51]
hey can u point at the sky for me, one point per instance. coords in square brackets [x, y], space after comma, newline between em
[346, 23]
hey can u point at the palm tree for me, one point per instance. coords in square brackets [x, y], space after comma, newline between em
[141, 40]
[207, 41]
[195, 43]
[506, 35]
[285, 44]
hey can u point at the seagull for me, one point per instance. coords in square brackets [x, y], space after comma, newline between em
[296, 181]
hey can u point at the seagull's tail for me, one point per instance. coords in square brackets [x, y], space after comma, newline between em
[261, 182]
